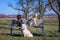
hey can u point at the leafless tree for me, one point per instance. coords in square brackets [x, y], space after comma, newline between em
[24, 6]
[55, 9]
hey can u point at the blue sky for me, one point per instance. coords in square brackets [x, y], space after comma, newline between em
[5, 9]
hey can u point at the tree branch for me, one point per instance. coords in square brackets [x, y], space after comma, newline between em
[54, 9]
[10, 5]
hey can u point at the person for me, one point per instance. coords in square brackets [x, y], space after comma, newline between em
[35, 19]
[19, 20]
[19, 23]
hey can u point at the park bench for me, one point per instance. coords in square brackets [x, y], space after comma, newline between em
[39, 24]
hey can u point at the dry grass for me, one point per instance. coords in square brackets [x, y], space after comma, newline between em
[50, 31]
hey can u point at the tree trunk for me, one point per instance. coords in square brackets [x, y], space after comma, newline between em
[26, 15]
[59, 16]
[56, 11]
[58, 1]
[59, 23]
[59, 6]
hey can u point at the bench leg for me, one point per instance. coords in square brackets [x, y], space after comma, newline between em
[11, 29]
[11, 26]
[22, 32]
[42, 32]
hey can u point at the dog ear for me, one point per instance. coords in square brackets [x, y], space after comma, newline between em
[24, 26]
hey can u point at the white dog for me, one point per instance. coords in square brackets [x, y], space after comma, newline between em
[25, 31]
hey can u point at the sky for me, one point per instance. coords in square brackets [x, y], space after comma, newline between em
[5, 9]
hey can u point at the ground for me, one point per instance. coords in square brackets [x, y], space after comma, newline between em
[50, 26]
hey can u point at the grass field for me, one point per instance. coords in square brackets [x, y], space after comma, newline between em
[50, 26]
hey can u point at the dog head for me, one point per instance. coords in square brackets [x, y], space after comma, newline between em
[24, 27]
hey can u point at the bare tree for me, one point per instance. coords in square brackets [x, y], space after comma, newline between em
[40, 7]
[24, 6]
[55, 9]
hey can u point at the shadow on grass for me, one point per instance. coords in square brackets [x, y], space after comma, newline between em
[19, 35]
[36, 34]
[14, 35]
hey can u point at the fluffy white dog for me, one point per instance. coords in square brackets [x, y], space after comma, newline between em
[25, 31]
